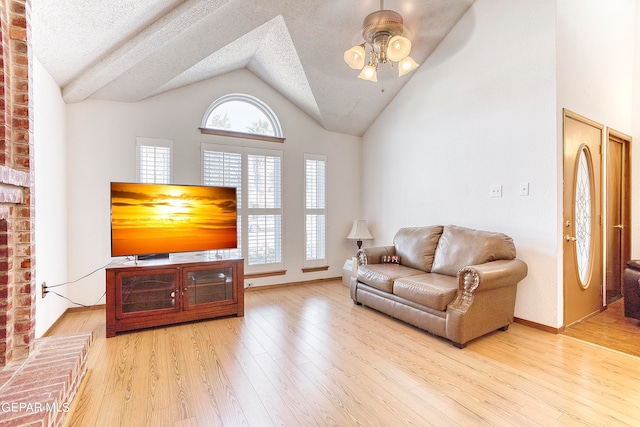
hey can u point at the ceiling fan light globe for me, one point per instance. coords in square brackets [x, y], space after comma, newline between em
[398, 48]
[406, 65]
[354, 57]
[369, 73]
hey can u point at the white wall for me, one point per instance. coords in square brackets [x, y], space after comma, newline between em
[480, 112]
[596, 43]
[49, 139]
[101, 138]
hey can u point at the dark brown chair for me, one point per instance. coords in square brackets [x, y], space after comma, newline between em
[632, 289]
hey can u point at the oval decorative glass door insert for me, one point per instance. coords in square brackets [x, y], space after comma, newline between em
[582, 220]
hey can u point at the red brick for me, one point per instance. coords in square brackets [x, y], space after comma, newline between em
[20, 73]
[18, 33]
[18, 8]
[21, 327]
[18, 47]
[21, 110]
[20, 122]
[18, 21]
[20, 97]
[21, 60]
[24, 162]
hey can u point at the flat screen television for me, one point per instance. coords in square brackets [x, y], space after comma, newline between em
[154, 219]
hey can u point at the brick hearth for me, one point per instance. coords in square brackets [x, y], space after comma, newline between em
[38, 390]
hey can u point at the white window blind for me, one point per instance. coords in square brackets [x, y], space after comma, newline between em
[154, 160]
[224, 169]
[315, 210]
[257, 175]
[264, 181]
[264, 214]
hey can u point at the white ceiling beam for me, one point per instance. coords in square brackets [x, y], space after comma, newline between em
[138, 47]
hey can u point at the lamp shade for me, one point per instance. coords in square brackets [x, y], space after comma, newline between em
[406, 65]
[354, 57]
[398, 48]
[359, 231]
[369, 73]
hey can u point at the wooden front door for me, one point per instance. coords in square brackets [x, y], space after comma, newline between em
[582, 226]
[618, 207]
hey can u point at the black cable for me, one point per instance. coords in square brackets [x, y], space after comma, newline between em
[47, 291]
[77, 303]
[77, 280]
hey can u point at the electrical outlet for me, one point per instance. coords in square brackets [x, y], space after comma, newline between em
[495, 191]
[249, 284]
[44, 289]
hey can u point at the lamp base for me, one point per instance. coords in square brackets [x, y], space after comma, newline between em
[359, 243]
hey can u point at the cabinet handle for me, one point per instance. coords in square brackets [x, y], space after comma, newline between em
[173, 294]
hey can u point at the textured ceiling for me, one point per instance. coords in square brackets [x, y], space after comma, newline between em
[128, 50]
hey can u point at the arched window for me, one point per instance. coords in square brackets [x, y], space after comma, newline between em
[241, 116]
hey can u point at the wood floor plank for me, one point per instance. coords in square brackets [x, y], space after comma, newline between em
[275, 404]
[306, 355]
[610, 329]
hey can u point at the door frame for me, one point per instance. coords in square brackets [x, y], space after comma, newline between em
[614, 136]
[599, 183]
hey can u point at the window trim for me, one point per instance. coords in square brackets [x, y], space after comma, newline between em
[314, 265]
[154, 142]
[253, 101]
[234, 134]
[245, 211]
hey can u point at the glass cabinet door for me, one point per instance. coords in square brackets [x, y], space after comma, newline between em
[208, 286]
[147, 292]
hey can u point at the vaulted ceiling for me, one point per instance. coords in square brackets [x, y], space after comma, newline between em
[128, 50]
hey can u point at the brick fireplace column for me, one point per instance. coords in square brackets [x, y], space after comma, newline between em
[17, 287]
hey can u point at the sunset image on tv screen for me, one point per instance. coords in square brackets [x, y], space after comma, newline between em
[157, 218]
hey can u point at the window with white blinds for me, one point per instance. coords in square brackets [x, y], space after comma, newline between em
[315, 210]
[264, 208]
[154, 160]
[257, 175]
[224, 169]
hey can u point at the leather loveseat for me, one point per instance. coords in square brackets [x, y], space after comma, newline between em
[452, 281]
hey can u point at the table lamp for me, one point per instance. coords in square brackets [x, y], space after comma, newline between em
[359, 232]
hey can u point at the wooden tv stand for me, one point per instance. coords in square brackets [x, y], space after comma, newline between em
[156, 294]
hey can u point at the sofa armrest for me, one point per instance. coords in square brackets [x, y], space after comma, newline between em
[373, 255]
[484, 277]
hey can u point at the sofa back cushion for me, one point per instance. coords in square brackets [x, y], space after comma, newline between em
[459, 247]
[416, 246]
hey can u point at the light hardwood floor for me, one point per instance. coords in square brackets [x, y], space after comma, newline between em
[306, 355]
[610, 329]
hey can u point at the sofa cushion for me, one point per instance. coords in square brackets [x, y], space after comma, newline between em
[416, 246]
[382, 276]
[459, 247]
[431, 290]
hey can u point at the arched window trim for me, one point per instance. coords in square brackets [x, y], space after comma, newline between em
[264, 108]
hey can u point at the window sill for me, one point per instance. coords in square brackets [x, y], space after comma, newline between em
[265, 274]
[233, 134]
[312, 269]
